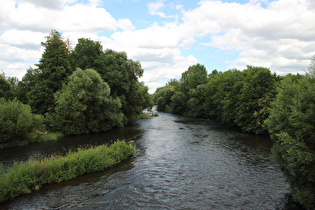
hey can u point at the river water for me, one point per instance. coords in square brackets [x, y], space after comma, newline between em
[181, 163]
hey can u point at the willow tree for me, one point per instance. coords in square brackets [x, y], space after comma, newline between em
[84, 105]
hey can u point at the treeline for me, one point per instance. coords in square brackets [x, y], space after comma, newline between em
[72, 91]
[237, 98]
[259, 102]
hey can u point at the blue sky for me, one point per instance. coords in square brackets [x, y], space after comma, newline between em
[166, 36]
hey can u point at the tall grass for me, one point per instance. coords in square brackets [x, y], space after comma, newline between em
[24, 178]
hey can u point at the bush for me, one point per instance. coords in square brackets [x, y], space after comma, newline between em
[24, 178]
[17, 123]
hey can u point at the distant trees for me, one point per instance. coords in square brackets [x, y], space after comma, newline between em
[240, 98]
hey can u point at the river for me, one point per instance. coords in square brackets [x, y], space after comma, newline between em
[180, 163]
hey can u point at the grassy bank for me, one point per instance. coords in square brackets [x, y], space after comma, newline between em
[24, 178]
[35, 137]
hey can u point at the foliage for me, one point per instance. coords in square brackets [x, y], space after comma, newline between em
[24, 178]
[87, 54]
[27, 83]
[122, 76]
[84, 105]
[54, 68]
[194, 76]
[163, 96]
[240, 98]
[119, 72]
[4, 87]
[291, 125]
[17, 123]
[258, 85]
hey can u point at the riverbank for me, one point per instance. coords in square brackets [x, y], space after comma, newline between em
[25, 178]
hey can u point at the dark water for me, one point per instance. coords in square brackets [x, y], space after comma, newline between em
[181, 163]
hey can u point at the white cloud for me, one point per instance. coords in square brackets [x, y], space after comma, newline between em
[125, 24]
[23, 39]
[280, 36]
[276, 34]
[55, 4]
[155, 9]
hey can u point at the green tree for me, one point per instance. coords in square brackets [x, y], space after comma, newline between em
[258, 83]
[122, 75]
[178, 102]
[194, 76]
[84, 105]
[119, 72]
[27, 83]
[291, 125]
[17, 123]
[221, 95]
[4, 87]
[54, 68]
[88, 54]
[163, 96]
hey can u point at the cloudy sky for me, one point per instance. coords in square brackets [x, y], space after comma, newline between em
[166, 36]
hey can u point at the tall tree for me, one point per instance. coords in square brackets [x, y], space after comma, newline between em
[54, 68]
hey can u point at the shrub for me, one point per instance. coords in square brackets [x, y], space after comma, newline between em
[17, 123]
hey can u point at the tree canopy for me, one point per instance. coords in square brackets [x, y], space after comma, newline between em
[84, 105]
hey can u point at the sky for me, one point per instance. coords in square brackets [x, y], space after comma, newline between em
[166, 36]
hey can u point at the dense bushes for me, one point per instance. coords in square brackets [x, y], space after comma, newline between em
[24, 178]
[17, 123]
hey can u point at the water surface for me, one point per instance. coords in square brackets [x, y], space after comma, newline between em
[181, 163]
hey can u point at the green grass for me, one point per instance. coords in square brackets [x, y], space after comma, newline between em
[25, 178]
[143, 116]
[48, 137]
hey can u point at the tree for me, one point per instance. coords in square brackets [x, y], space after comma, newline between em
[119, 72]
[17, 123]
[194, 76]
[4, 87]
[88, 54]
[122, 75]
[258, 83]
[54, 68]
[163, 96]
[291, 125]
[84, 105]
[27, 83]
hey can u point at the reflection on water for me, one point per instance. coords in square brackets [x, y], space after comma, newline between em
[181, 163]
